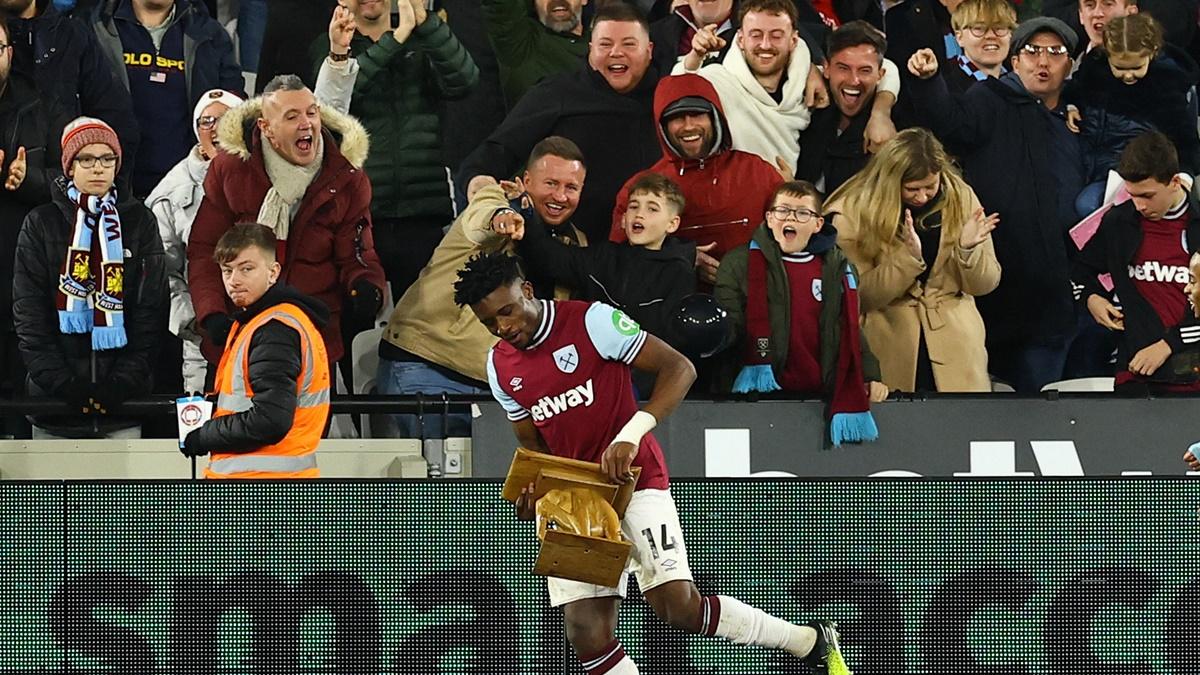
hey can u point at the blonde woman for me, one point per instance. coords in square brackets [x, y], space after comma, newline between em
[923, 248]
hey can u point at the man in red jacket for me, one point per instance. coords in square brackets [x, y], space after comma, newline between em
[296, 168]
[726, 190]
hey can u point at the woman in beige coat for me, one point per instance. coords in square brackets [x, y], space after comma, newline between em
[923, 248]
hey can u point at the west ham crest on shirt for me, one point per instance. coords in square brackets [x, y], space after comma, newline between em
[566, 358]
[816, 289]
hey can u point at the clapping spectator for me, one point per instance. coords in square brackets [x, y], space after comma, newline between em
[1024, 164]
[29, 126]
[89, 292]
[923, 248]
[406, 70]
[533, 46]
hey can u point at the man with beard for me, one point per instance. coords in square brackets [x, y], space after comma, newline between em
[167, 54]
[66, 63]
[726, 189]
[605, 108]
[405, 73]
[530, 49]
[762, 82]
[29, 127]
[832, 147]
[1024, 163]
[297, 169]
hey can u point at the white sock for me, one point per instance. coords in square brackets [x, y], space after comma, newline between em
[745, 625]
[612, 661]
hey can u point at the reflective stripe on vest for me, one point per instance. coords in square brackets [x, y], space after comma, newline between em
[271, 463]
[295, 455]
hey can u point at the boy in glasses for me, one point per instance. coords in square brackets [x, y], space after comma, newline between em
[792, 299]
[984, 30]
[89, 292]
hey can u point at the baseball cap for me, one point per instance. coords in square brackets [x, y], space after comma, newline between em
[1043, 24]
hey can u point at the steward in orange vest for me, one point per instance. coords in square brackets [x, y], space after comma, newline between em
[272, 382]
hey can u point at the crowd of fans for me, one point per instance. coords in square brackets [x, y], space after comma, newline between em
[914, 196]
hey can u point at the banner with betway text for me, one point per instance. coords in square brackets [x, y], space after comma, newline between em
[947, 436]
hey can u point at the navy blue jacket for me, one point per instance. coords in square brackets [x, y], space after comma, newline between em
[67, 64]
[209, 61]
[1014, 156]
[1115, 113]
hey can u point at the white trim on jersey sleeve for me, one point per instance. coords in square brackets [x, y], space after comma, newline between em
[604, 327]
[515, 412]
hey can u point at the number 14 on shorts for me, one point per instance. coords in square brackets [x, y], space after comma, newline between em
[668, 541]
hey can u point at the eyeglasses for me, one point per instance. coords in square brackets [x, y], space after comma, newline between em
[1053, 51]
[980, 30]
[801, 215]
[208, 122]
[87, 161]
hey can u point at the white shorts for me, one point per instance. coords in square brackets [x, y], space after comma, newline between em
[659, 555]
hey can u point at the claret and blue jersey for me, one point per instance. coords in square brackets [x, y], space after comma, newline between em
[574, 381]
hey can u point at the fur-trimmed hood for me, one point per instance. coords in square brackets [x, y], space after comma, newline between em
[238, 127]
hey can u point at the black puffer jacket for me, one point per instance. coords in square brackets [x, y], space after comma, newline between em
[647, 285]
[53, 358]
[274, 370]
[66, 61]
[1115, 113]
[30, 122]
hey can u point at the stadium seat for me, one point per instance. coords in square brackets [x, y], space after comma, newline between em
[1081, 384]
[364, 353]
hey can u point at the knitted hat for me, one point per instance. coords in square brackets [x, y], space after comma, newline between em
[210, 97]
[83, 131]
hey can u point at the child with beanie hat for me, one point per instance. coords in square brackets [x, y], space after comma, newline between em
[78, 252]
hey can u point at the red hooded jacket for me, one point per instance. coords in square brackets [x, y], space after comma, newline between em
[726, 192]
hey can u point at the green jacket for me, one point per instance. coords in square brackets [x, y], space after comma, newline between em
[526, 51]
[730, 293]
[396, 98]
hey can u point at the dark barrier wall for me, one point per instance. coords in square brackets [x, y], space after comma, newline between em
[1071, 577]
[952, 436]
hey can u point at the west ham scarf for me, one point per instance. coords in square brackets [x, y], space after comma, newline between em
[849, 408]
[91, 293]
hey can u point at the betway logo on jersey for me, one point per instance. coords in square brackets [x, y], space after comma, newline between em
[549, 406]
[1152, 270]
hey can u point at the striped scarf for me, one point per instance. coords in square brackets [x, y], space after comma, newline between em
[91, 294]
[849, 408]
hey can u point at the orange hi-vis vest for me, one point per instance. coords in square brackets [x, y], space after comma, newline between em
[296, 455]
